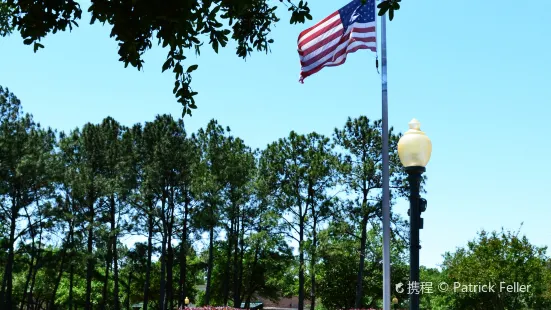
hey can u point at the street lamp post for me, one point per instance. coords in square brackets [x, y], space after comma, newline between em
[186, 301]
[414, 150]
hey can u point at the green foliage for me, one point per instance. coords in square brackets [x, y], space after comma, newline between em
[389, 6]
[26, 160]
[179, 26]
[200, 299]
[5, 26]
[493, 258]
[339, 267]
[338, 270]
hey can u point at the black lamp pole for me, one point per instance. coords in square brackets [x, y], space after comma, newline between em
[416, 206]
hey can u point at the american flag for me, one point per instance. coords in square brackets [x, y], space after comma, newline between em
[327, 43]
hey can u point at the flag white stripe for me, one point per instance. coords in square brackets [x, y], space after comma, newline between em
[344, 45]
[321, 49]
[319, 27]
[322, 37]
[331, 44]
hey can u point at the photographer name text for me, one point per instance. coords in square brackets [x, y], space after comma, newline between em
[514, 287]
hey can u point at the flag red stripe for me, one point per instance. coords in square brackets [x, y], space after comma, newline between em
[319, 33]
[306, 74]
[324, 42]
[343, 51]
[331, 49]
[304, 32]
[331, 38]
[364, 29]
[339, 54]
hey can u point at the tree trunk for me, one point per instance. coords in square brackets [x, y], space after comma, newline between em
[228, 260]
[128, 290]
[210, 263]
[71, 285]
[252, 270]
[51, 304]
[71, 258]
[162, 293]
[301, 262]
[104, 298]
[37, 265]
[28, 279]
[238, 286]
[169, 272]
[170, 253]
[31, 263]
[236, 302]
[149, 255]
[313, 262]
[183, 257]
[359, 280]
[90, 264]
[7, 283]
[116, 289]
[114, 242]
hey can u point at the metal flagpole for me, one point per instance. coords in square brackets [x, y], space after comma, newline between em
[386, 190]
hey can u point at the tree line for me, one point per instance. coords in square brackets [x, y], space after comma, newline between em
[106, 216]
[202, 208]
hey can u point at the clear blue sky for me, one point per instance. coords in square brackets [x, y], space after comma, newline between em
[475, 73]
